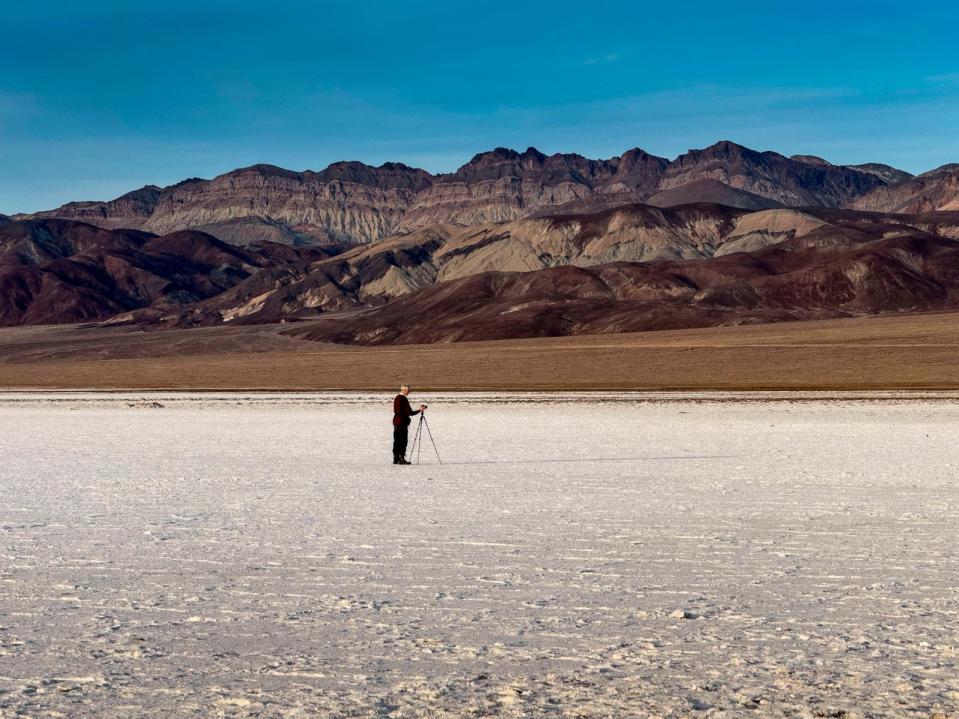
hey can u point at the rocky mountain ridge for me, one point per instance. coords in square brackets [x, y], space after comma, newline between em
[356, 203]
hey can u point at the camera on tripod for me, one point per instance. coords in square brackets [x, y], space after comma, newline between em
[417, 447]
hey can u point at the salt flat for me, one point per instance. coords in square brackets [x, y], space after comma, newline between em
[576, 556]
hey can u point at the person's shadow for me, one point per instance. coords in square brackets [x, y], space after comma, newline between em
[595, 459]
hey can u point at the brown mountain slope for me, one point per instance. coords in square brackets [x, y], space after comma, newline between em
[786, 282]
[932, 191]
[56, 271]
[61, 271]
[35, 242]
[405, 264]
[399, 265]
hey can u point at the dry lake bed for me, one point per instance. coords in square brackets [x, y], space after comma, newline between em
[604, 555]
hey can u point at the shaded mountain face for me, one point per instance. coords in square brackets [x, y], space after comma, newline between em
[804, 182]
[56, 271]
[886, 173]
[936, 190]
[712, 191]
[356, 203]
[889, 175]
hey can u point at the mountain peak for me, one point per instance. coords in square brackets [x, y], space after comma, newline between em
[497, 154]
[261, 169]
[811, 160]
[798, 182]
[498, 163]
[728, 147]
[942, 170]
[389, 175]
[147, 193]
[639, 152]
[722, 151]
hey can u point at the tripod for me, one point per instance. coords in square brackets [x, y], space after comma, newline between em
[417, 447]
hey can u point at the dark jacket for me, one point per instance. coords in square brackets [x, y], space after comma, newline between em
[402, 411]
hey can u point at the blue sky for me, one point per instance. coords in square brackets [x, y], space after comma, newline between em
[98, 98]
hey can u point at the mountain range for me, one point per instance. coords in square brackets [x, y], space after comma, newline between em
[355, 203]
[510, 245]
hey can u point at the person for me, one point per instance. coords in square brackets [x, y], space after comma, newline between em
[402, 411]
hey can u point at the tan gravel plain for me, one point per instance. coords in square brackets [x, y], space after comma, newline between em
[873, 353]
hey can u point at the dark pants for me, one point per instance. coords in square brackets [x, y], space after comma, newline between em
[401, 435]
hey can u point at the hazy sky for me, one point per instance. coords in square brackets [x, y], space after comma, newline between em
[97, 98]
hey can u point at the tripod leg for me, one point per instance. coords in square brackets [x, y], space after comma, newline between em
[432, 441]
[419, 450]
[416, 438]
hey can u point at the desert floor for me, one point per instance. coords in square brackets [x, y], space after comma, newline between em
[888, 352]
[575, 556]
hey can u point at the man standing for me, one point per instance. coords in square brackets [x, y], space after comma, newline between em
[401, 424]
